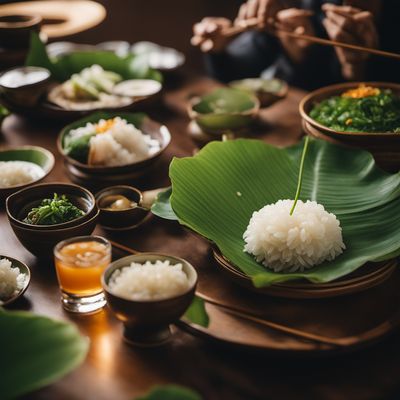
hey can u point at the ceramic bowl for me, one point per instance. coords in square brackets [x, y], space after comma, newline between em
[14, 91]
[146, 323]
[40, 239]
[15, 30]
[102, 176]
[268, 91]
[385, 147]
[120, 220]
[23, 268]
[223, 110]
[34, 154]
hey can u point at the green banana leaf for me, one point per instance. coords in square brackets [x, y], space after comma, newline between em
[61, 68]
[215, 193]
[36, 351]
[196, 313]
[170, 392]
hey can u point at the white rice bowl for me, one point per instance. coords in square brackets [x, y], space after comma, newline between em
[291, 243]
[149, 281]
[11, 280]
[15, 173]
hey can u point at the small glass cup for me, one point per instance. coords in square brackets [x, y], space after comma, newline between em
[80, 262]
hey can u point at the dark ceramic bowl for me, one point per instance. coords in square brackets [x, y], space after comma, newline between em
[102, 176]
[15, 30]
[20, 203]
[27, 94]
[385, 146]
[24, 269]
[34, 154]
[146, 323]
[120, 220]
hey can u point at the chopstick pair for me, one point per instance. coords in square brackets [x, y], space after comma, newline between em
[371, 334]
[276, 31]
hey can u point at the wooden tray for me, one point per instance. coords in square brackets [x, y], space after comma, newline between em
[368, 316]
[60, 18]
[370, 275]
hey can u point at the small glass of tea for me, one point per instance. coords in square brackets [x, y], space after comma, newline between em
[80, 262]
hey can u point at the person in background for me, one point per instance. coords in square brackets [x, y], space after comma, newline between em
[257, 52]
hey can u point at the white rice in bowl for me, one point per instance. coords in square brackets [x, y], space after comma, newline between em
[149, 281]
[11, 280]
[15, 173]
[290, 243]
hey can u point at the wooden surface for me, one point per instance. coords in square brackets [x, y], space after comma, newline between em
[114, 370]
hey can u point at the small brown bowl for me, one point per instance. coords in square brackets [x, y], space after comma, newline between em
[15, 30]
[146, 323]
[24, 269]
[125, 219]
[20, 203]
[103, 176]
[385, 146]
[24, 94]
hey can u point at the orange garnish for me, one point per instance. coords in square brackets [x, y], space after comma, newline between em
[104, 126]
[361, 91]
[348, 121]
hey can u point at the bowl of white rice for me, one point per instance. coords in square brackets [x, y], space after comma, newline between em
[148, 292]
[15, 277]
[23, 166]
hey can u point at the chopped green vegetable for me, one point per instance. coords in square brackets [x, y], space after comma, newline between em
[53, 211]
[78, 147]
[379, 113]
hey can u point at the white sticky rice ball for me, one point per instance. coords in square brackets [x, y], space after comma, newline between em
[290, 243]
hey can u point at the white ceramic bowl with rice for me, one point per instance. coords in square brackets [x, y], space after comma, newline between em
[148, 292]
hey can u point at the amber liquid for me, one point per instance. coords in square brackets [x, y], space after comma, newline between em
[80, 266]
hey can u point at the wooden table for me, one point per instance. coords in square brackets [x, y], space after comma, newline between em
[113, 370]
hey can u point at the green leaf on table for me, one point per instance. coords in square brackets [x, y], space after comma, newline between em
[170, 392]
[64, 66]
[36, 351]
[196, 313]
[162, 206]
[215, 192]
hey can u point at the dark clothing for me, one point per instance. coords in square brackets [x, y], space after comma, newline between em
[256, 53]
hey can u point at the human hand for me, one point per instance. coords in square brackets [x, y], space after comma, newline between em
[297, 21]
[350, 25]
[259, 14]
[209, 34]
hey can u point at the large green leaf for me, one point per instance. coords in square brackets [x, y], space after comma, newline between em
[170, 392]
[61, 68]
[36, 351]
[215, 193]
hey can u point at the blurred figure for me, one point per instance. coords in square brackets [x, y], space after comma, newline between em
[257, 52]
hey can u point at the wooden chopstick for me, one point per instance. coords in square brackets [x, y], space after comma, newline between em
[236, 30]
[369, 335]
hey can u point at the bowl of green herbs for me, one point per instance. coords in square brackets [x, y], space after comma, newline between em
[44, 214]
[364, 115]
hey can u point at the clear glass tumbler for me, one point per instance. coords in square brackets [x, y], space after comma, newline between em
[80, 262]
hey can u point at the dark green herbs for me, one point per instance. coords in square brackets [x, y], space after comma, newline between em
[378, 113]
[53, 211]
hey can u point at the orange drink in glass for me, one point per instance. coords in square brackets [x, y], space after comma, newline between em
[80, 262]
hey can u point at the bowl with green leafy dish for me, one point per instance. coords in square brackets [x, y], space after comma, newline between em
[224, 110]
[364, 115]
[42, 215]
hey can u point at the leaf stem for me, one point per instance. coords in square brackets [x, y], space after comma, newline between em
[300, 178]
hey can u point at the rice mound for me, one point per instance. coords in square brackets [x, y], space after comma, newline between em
[290, 243]
[11, 280]
[149, 281]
